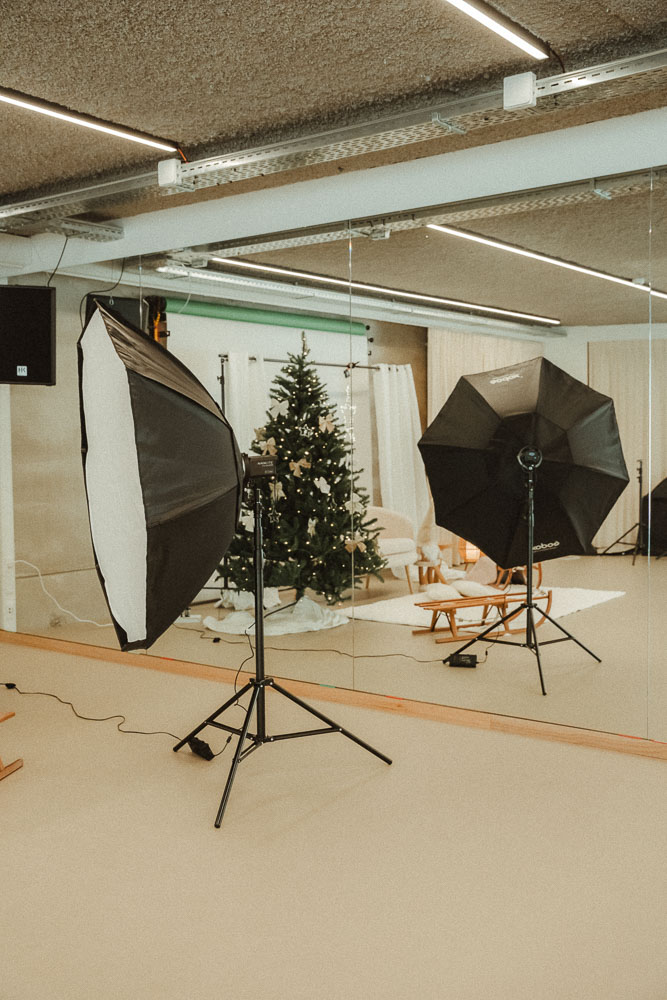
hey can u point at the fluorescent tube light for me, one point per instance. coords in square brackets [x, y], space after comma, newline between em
[556, 261]
[502, 26]
[410, 296]
[53, 111]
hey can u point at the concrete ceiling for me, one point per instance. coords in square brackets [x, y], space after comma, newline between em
[223, 76]
[217, 76]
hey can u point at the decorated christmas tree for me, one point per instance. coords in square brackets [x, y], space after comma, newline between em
[319, 536]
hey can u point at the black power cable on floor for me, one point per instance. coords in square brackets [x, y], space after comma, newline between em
[109, 718]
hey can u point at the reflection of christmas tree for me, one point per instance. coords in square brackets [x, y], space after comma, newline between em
[321, 536]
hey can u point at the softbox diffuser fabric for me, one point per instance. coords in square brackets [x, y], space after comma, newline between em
[163, 477]
[479, 488]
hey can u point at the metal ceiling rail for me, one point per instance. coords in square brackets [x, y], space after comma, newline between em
[609, 188]
[389, 131]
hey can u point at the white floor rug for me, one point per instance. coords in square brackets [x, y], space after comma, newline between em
[403, 610]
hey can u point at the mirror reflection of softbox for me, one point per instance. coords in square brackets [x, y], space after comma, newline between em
[470, 454]
[163, 477]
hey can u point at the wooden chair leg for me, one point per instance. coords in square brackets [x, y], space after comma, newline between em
[8, 768]
[407, 577]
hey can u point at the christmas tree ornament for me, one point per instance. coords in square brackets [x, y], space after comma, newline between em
[296, 467]
[277, 491]
[322, 485]
[352, 544]
[268, 447]
[326, 423]
[280, 408]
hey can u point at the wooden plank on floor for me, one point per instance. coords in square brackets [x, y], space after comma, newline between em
[470, 718]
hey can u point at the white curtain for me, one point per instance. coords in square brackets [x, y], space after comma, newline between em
[622, 369]
[246, 396]
[402, 479]
[451, 354]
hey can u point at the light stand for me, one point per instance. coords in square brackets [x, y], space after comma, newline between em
[258, 684]
[529, 459]
[638, 546]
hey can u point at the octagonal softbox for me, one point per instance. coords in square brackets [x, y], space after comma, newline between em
[163, 477]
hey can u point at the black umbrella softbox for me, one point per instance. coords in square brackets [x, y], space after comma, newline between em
[479, 490]
[163, 477]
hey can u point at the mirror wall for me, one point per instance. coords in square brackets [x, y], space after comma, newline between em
[656, 506]
[604, 601]
[386, 368]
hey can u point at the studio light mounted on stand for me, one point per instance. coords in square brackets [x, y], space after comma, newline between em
[164, 479]
[526, 463]
[257, 468]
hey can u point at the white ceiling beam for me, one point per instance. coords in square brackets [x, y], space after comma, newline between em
[619, 145]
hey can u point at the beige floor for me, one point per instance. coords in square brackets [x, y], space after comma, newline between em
[478, 866]
[627, 693]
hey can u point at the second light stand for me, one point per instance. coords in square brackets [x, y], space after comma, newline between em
[529, 459]
[248, 741]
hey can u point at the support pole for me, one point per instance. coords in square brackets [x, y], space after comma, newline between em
[7, 546]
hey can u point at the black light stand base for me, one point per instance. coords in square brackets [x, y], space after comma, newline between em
[248, 742]
[530, 642]
[529, 459]
[257, 685]
[637, 547]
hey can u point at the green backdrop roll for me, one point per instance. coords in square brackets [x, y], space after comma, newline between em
[269, 317]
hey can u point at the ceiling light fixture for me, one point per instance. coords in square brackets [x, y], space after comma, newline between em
[409, 296]
[556, 261]
[502, 26]
[74, 118]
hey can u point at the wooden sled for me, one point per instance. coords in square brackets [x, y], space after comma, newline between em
[461, 631]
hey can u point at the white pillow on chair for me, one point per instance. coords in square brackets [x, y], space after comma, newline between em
[470, 588]
[441, 592]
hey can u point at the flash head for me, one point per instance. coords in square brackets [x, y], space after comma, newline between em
[529, 458]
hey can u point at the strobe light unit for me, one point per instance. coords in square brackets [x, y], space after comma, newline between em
[163, 477]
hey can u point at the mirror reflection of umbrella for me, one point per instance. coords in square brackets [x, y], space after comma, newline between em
[478, 487]
[526, 462]
[163, 477]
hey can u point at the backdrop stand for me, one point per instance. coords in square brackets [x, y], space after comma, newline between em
[638, 546]
[257, 687]
[529, 459]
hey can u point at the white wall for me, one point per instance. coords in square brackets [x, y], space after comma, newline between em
[571, 352]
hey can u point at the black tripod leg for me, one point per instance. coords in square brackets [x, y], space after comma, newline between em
[329, 722]
[491, 628]
[237, 754]
[532, 643]
[570, 636]
[218, 711]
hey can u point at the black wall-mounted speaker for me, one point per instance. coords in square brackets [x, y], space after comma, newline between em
[27, 335]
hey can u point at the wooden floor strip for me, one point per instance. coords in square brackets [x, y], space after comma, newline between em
[360, 699]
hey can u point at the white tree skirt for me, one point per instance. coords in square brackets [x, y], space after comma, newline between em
[304, 616]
